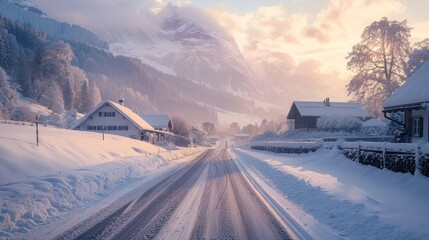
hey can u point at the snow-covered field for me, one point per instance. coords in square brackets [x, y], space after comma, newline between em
[68, 172]
[325, 191]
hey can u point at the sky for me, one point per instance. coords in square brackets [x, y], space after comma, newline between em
[308, 38]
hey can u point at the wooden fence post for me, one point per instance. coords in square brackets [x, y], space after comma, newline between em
[384, 155]
[37, 131]
[417, 159]
[358, 153]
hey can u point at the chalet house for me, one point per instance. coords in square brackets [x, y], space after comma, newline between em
[115, 118]
[412, 99]
[305, 114]
[160, 122]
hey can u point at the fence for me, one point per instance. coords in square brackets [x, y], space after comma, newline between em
[13, 122]
[398, 157]
[389, 139]
[287, 147]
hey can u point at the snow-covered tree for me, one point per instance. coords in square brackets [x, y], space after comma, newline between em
[234, 127]
[94, 92]
[379, 62]
[53, 98]
[181, 127]
[419, 56]
[339, 123]
[209, 127]
[8, 96]
[23, 113]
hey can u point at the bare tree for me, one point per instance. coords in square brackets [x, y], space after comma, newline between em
[209, 127]
[181, 127]
[234, 127]
[379, 62]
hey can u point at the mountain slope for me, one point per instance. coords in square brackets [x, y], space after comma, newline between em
[183, 48]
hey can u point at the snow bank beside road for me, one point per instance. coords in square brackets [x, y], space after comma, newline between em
[60, 150]
[69, 170]
[360, 202]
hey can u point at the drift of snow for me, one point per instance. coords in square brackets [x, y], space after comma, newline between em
[68, 171]
[359, 202]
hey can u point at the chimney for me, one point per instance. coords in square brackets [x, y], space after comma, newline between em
[121, 101]
[326, 102]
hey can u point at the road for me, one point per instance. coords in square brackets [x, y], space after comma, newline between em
[210, 198]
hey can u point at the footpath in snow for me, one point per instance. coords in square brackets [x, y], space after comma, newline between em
[324, 191]
[70, 174]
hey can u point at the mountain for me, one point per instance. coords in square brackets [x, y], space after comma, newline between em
[182, 68]
[25, 11]
[185, 49]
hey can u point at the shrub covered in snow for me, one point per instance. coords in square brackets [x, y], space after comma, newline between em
[339, 123]
[273, 149]
[287, 147]
[424, 164]
[395, 157]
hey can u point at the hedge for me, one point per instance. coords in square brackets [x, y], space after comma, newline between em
[395, 161]
[283, 149]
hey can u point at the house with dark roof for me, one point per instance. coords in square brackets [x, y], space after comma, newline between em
[412, 99]
[305, 113]
[115, 118]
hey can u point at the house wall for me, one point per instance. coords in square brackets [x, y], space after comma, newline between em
[117, 120]
[305, 122]
[425, 115]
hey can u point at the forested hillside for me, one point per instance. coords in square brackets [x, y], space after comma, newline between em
[41, 69]
[18, 10]
[73, 75]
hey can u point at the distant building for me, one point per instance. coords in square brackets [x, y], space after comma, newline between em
[115, 118]
[241, 137]
[412, 99]
[159, 121]
[305, 114]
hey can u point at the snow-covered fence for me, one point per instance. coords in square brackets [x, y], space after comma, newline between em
[16, 122]
[390, 139]
[287, 147]
[13, 122]
[397, 157]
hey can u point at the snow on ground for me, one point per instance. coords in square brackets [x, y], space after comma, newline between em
[68, 171]
[359, 202]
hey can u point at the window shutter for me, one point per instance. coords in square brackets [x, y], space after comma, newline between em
[420, 127]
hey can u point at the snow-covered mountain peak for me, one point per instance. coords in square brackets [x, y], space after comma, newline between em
[28, 5]
[190, 48]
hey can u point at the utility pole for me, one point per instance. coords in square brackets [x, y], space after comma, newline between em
[37, 131]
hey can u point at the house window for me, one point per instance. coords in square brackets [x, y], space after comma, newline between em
[417, 127]
[106, 114]
[91, 128]
[123, 128]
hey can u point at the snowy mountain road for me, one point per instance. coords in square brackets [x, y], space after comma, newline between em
[209, 198]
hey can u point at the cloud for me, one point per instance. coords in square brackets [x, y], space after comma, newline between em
[317, 44]
[105, 13]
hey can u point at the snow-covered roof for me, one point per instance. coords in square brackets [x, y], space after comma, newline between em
[157, 121]
[414, 91]
[334, 109]
[124, 111]
[374, 123]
